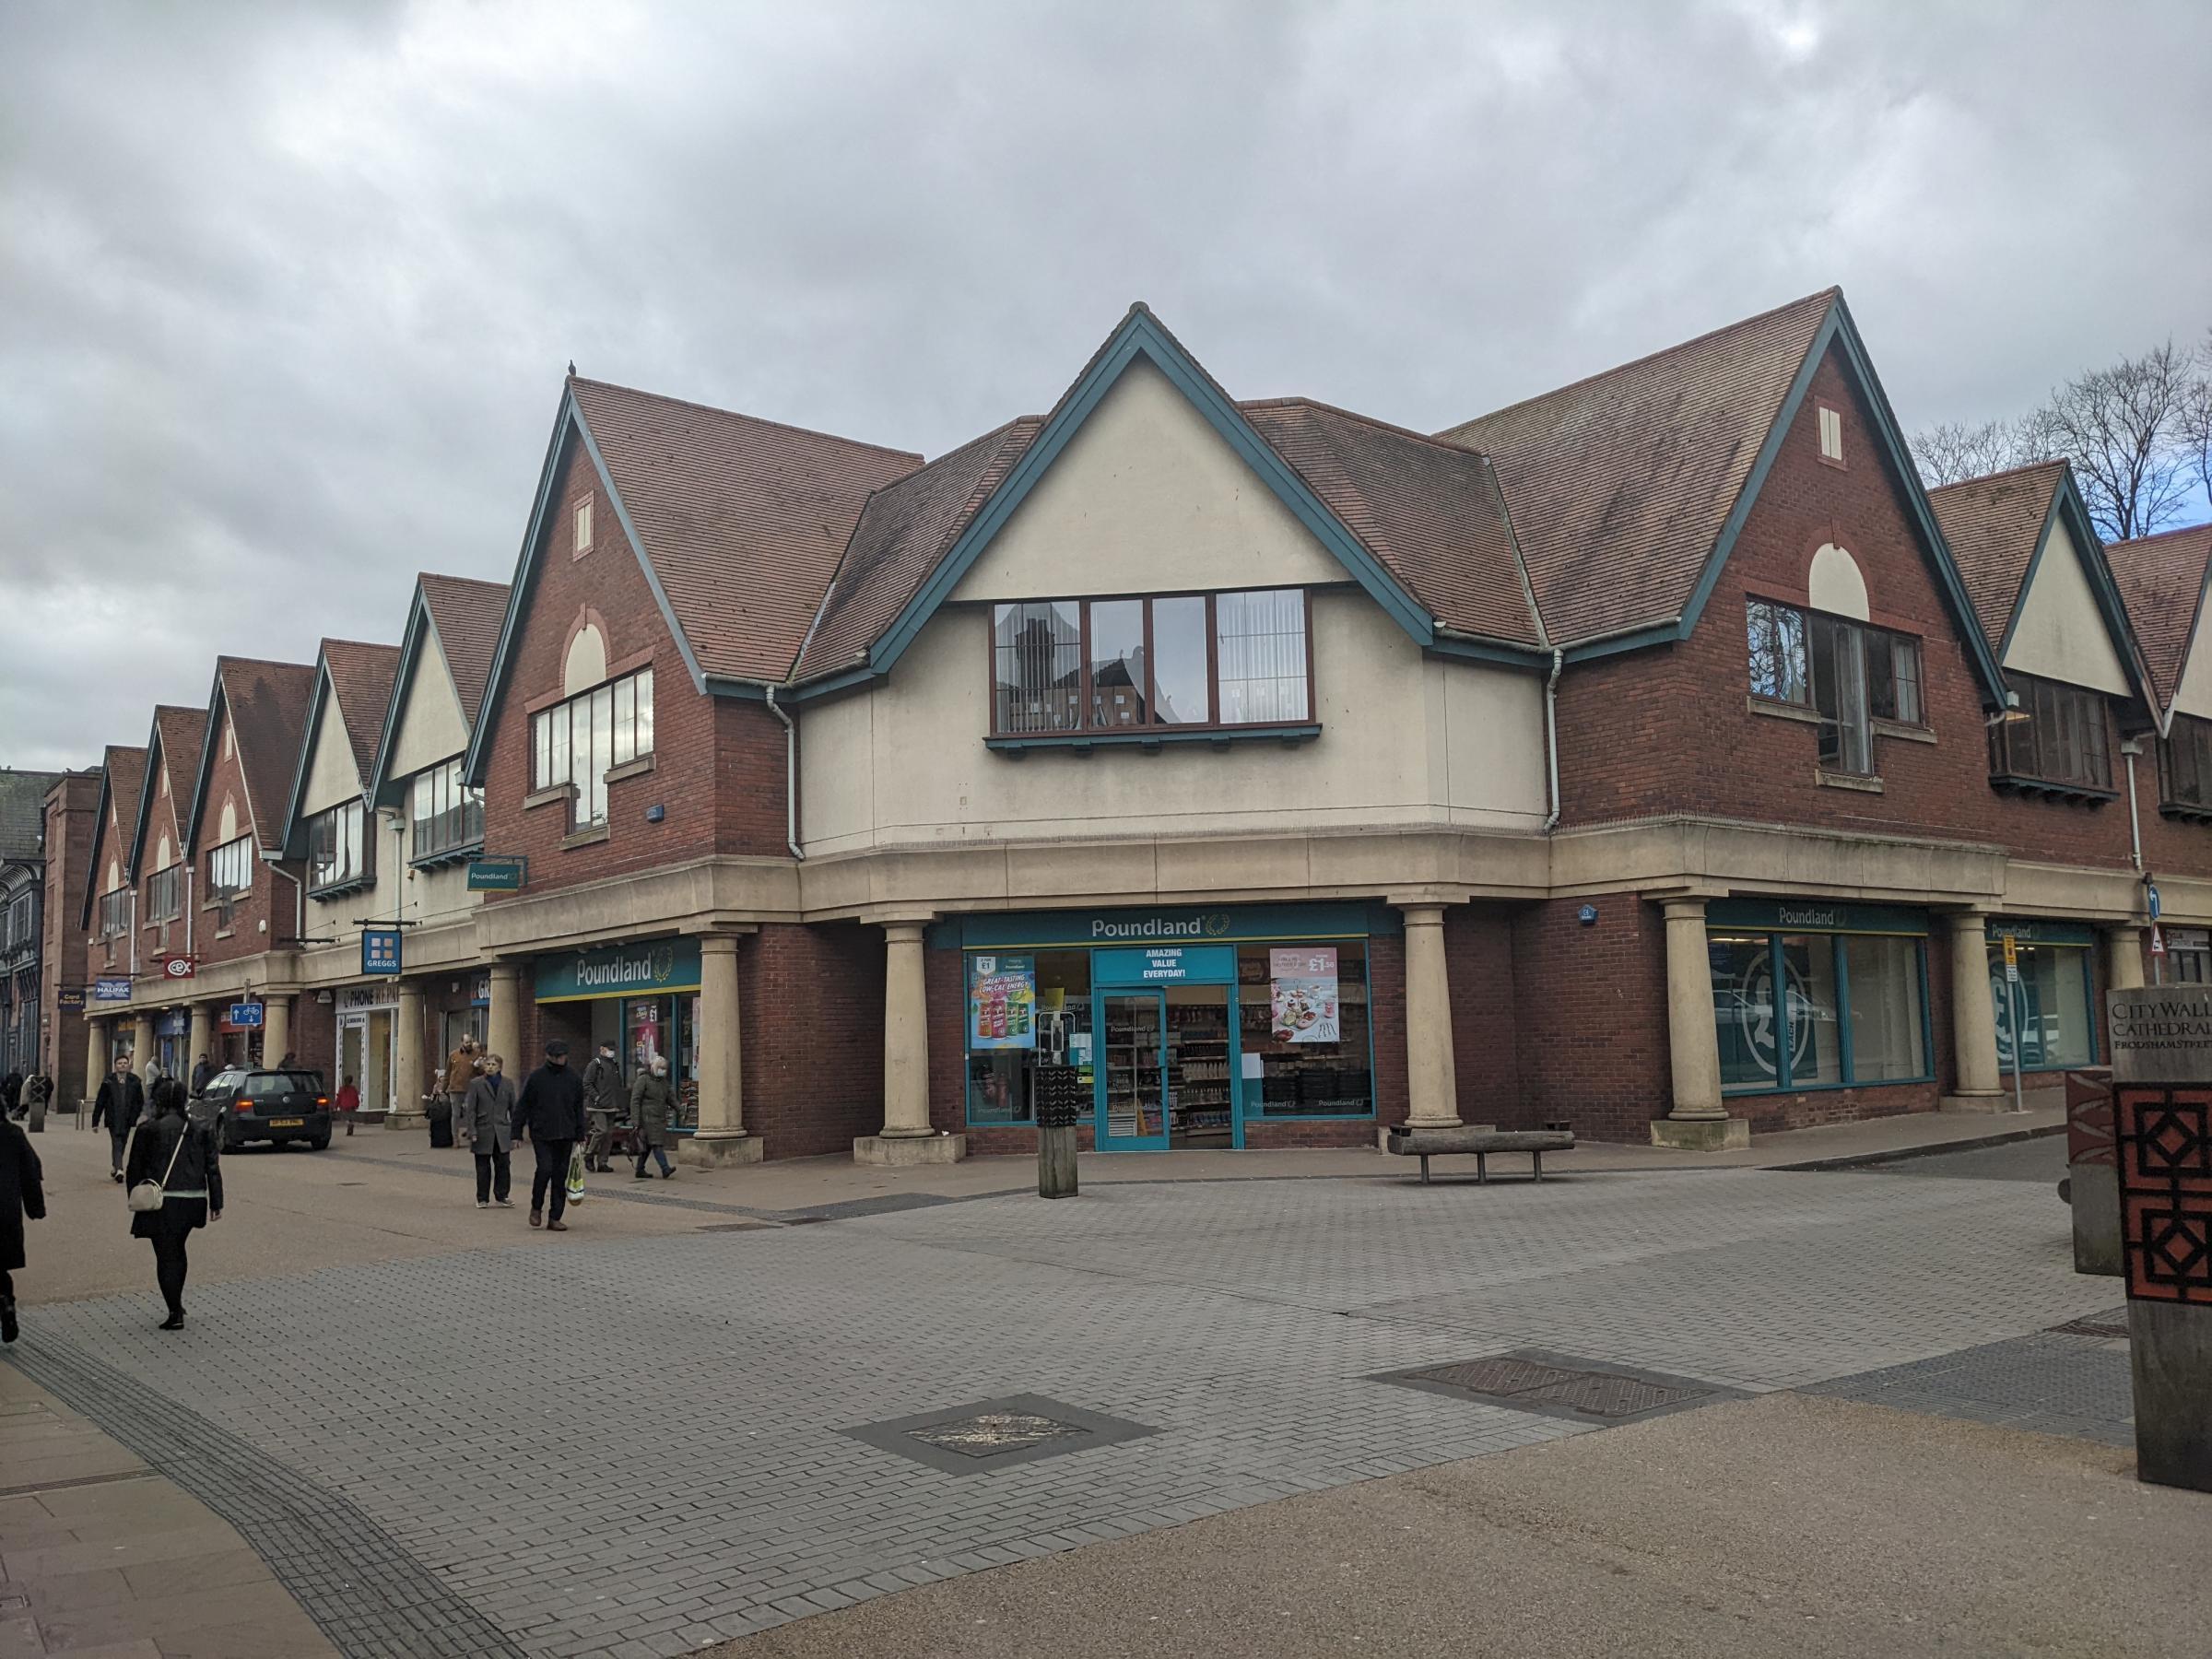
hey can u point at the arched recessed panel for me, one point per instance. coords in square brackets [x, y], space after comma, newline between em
[1835, 584]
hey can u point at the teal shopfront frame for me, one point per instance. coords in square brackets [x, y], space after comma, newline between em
[1136, 958]
[1835, 923]
[2080, 940]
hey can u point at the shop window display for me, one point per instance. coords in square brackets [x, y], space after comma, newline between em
[2051, 1004]
[1305, 1030]
[1815, 1010]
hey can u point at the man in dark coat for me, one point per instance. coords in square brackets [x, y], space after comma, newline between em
[551, 1113]
[121, 1099]
[602, 1104]
[11, 1093]
[201, 1072]
[22, 1194]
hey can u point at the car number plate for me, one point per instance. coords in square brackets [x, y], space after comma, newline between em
[288, 1123]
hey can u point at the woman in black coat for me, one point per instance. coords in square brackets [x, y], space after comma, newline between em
[180, 1158]
[22, 1194]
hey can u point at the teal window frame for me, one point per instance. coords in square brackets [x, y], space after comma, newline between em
[1783, 1084]
[2088, 997]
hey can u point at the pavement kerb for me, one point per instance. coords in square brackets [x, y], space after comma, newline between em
[1859, 1161]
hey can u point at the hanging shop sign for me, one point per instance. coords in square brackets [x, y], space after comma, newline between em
[1165, 965]
[652, 968]
[179, 967]
[498, 875]
[1302, 991]
[380, 950]
[1002, 1001]
[70, 1000]
[1799, 915]
[112, 988]
[1193, 924]
[175, 1023]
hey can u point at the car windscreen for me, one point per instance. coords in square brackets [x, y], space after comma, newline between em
[263, 1085]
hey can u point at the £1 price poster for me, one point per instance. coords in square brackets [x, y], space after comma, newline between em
[1002, 1002]
[1303, 981]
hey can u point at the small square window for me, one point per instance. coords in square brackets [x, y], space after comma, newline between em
[1831, 433]
[583, 527]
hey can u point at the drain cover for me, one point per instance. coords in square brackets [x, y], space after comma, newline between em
[2095, 1324]
[1543, 1384]
[990, 1432]
[994, 1434]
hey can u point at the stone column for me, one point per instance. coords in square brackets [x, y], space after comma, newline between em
[202, 1040]
[2123, 958]
[275, 1027]
[96, 1058]
[1698, 1121]
[1973, 1018]
[408, 1067]
[907, 1138]
[503, 1021]
[142, 1041]
[720, 1137]
[1432, 1082]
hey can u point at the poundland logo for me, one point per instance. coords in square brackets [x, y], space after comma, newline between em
[1211, 926]
[652, 968]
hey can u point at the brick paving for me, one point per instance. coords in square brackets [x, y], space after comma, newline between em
[640, 1446]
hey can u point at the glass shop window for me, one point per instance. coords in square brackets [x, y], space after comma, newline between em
[1302, 1027]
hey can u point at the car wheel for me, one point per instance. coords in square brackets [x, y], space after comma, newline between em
[320, 1144]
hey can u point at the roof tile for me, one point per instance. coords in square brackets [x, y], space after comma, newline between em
[2161, 582]
[268, 711]
[361, 677]
[466, 615]
[1994, 526]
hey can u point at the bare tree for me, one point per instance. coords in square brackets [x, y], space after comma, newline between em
[2122, 428]
[2195, 423]
[1955, 451]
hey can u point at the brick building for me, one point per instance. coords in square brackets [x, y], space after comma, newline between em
[1654, 754]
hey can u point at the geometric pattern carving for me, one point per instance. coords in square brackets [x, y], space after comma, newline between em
[2164, 1137]
[2090, 1118]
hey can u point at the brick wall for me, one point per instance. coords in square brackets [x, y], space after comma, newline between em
[813, 1040]
[1590, 1006]
[71, 807]
[266, 916]
[1478, 959]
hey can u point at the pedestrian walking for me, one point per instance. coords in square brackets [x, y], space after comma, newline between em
[552, 1112]
[22, 1198]
[488, 1125]
[602, 1104]
[289, 1063]
[179, 1157]
[119, 1103]
[461, 1070]
[11, 1094]
[347, 1102]
[201, 1071]
[651, 1103]
[37, 1091]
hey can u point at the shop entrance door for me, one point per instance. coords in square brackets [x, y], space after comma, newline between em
[1132, 1071]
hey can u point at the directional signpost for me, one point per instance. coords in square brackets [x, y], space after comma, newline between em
[245, 1015]
[2012, 1016]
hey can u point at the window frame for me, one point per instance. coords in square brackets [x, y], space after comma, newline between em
[168, 881]
[1795, 664]
[1778, 978]
[2172, 801]
[1828, 417]
[118, 912]
[222, 898]
[2054, 707]
[463, 809]
[588, 807]
[1152, 729]
[327, 827]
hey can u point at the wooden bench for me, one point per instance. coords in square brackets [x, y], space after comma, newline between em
[1425, 1143]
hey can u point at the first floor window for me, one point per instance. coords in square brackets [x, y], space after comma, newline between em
[338, 855]
[231, 874]
[2056, 736]
[1849, 673]
[1811, 1011]
[575, 743]
[115, 912]
[2186, 764]
[1182, 659]
[448, 815]
[2189, 952]
[165, 894]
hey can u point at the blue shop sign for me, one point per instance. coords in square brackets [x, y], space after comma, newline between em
[1813, 915]
[1175, 924]
[172, 1024]
[2041, 932]
[113, 987]
[656, 967]
[379, 949]
[1165, 965]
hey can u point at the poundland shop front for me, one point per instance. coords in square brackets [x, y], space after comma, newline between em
[1203, 1027]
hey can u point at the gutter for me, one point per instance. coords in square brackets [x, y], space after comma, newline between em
[791, 772]
[1551, 736]
[299, 900]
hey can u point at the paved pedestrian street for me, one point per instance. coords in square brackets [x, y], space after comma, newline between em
[642, 1441]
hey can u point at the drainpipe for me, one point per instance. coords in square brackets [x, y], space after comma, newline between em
[2131, 748]
[1551, 736]
[791, 774]
[299, 900]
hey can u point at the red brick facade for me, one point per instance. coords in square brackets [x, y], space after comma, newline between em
[266, 914]
[71, 807]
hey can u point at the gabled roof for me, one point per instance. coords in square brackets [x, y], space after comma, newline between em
[1627, 490]
[1998, 528]
[1995, 527]
[458, 619]
[353, 680]
[737, 525]
[121, 776]
[267, 706]
[172, 749]
[2162, 580]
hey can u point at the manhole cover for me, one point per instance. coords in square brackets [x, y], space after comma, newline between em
[2096, 1324]
[1539, 1385]
[990, 1432]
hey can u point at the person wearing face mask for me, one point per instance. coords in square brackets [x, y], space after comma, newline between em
[602, 1104]
[651, 1102]
[488, 1125]
[551, 1113]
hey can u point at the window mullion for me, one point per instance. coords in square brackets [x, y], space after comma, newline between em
[1213, 666]
[1151, 703]
[1845, 1060]
[1779, 993]
[1087, 711]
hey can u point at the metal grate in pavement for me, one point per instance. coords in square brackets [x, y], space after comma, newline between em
[1550, 1383]
[996, 1434]
[367, 1593]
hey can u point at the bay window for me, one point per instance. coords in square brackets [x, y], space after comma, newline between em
[447, 814]
[2055, 740]
[575, 743]
[1849, 674]
[2186, 768]
[339, 856]
[1197, 659]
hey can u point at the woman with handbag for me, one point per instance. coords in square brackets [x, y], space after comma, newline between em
[173, 1179]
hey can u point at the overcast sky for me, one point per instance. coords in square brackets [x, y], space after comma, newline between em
[286, 291]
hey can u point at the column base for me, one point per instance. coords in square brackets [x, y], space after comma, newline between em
[1702, 1135]
[1976, 1102]
[405, 1118]
[715, 1151]
[909, 1151]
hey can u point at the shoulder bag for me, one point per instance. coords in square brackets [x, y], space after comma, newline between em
[150, 1194]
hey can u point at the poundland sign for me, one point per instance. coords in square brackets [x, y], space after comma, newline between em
[1196, 925]
[651, 969]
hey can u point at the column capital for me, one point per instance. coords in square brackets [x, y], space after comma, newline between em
[1684, 910]
[1420, 914]
[717, 944]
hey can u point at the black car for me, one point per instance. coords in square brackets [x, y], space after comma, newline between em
[275, 1106]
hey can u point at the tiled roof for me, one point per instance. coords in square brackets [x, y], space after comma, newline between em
[2162, 582]
[268, 710]
[23, 811]
[1427, 511]
[1993, 525]
[467, 616]
[182, 733]
[1619, 486]
[361, 677]
[125, 769]
[742, 520]
[904, 532]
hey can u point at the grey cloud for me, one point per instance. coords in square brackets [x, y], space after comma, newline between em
[286, 293]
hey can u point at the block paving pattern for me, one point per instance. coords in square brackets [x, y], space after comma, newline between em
[633, 1448]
